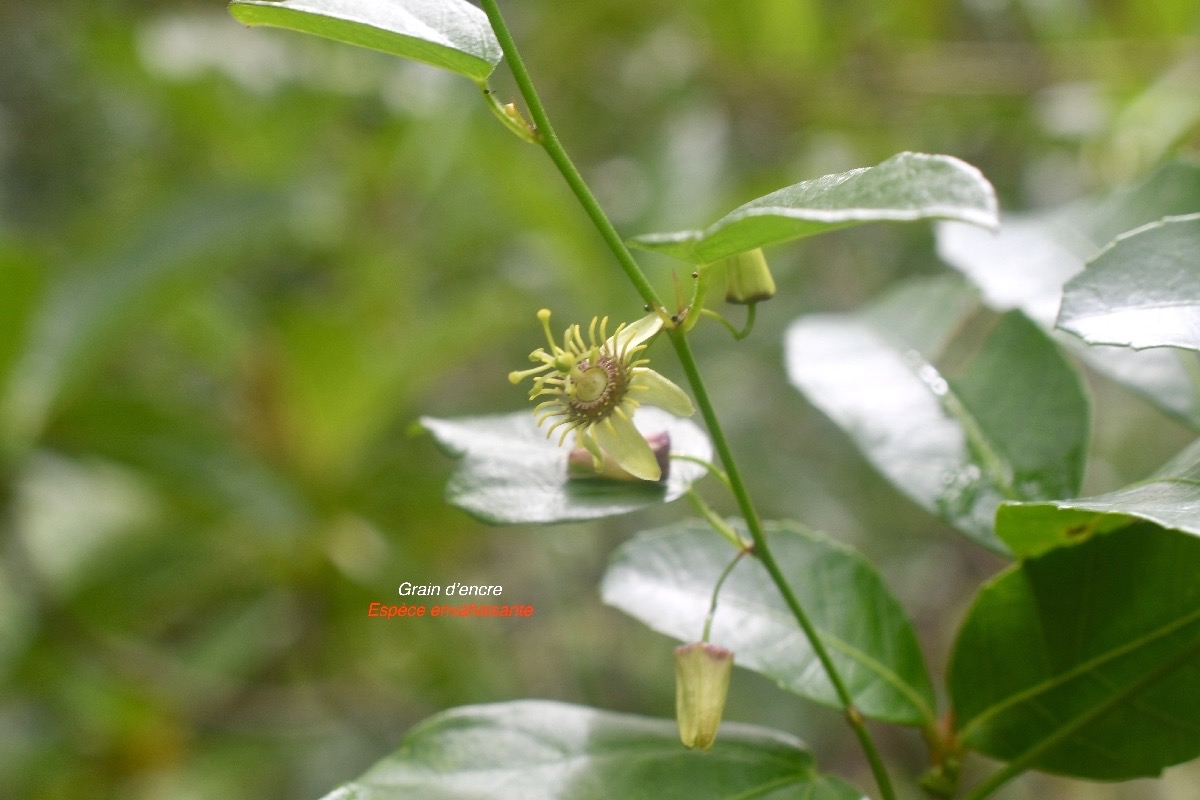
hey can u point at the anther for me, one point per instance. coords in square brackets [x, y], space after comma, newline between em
[544, 316]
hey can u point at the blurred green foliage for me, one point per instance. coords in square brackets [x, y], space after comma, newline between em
[236, 265]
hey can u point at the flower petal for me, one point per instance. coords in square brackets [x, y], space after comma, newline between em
[626, 445]
[635, 333]
[658, 391]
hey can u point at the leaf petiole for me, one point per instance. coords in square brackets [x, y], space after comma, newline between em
[712, 468]
[716, 523]
[712, 606]
[721, 318]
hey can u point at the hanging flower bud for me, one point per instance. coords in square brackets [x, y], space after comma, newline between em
[748, 278]
[702, 673]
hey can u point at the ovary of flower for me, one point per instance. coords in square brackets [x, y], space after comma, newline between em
[593, 387]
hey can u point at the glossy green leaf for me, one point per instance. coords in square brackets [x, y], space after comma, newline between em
[906, 187]
[1165, 376]
[665, 578]
[1170, 191]
[1022, 266]
[1010, 425]
[1026, 264]
[1141, 291]
[540, 750]
[511, 473]
[1171, 498]
[451, 34]
[1086, 660]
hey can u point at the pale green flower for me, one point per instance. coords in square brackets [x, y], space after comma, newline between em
[702, 673]
[593, 388]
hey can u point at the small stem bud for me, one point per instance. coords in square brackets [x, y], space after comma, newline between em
[511, 116]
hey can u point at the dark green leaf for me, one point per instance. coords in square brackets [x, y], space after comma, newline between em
[665, 578]
[1143, 290]
[1086, 661]
[451, 34]
[1012, 425]
[511, 473]
[1170, 498]
[538, 750]
[906, 187]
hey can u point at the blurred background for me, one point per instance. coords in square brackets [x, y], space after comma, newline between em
[236, 265]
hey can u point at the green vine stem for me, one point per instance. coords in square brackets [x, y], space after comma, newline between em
[548, 138]
[763, 552]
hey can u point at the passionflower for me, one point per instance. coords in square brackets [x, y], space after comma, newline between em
[593, 387]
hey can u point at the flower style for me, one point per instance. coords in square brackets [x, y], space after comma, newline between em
[594, 387]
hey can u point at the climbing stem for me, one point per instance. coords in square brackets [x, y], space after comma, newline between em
[762, 552]
[548, 139]
[761, 549]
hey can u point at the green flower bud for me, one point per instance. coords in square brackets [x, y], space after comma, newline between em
[748, 278]
[702, 673]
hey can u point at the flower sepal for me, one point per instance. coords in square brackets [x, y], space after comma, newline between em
[582, 463]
